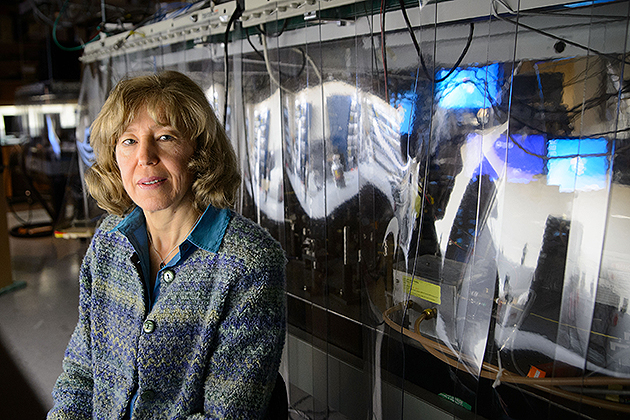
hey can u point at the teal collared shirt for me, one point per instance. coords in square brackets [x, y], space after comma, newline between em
[207, 234]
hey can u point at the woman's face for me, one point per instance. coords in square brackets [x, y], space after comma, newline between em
[153, 161]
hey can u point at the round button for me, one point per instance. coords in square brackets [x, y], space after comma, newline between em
[148, 326]
[148, 395]
[168, 276]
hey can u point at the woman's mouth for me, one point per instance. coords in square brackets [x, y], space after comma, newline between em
[151, 182]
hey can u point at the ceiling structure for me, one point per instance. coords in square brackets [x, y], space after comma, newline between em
[31, 54]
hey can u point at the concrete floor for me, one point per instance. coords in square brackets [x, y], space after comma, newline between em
[36, 321]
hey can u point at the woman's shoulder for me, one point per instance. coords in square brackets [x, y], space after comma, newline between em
[106, 232]
[107, 223]
[106, 240]
[242, 230]
[247, 239]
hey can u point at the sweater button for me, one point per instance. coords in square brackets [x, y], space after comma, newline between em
[148, 326]
[168, 276]
[147, 395]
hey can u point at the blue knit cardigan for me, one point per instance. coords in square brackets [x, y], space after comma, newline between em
[211, 348]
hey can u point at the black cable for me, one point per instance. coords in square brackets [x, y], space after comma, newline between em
[416, 45]
[261, 55]
[251, 44]
[14, 212]
[374, 57]
[571, 156]
[571, 113]
[384, 50]
[403, 9]
[235, 15]
[552, 36]
[277, 34]
[461, 56]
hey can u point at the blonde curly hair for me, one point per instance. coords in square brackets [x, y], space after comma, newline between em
[171, 98]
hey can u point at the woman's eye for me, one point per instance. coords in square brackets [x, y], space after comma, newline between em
[127, 142]
[166, 137]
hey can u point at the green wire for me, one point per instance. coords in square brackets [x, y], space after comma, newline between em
[54, 33]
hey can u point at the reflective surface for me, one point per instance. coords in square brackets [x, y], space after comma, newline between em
[455, 221]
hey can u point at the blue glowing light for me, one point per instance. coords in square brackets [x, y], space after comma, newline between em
[523, 154]
[587, 3]
[577, 164]
[470, 88]
[404, 104]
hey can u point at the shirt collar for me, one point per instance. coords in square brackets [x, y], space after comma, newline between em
[207, 234]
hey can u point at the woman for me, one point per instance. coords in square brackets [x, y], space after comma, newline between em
[181, 307]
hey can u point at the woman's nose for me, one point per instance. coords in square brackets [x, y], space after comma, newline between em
[147, 154]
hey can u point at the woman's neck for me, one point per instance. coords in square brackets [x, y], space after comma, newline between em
[166, 230]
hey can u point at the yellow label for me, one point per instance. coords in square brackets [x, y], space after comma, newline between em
[423, 289]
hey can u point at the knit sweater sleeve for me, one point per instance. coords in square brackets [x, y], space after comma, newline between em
[72, 393]
[243, 367]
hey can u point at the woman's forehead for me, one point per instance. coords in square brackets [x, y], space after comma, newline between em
[157, 112]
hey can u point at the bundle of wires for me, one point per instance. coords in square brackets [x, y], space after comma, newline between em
[499, 374]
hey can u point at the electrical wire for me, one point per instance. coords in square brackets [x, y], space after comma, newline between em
[173, 10]
[496, 14]
[420, 222]
[262, 30]
[595, 102]
[251, 44]
[597, 391]
[492, 372]
[384, 50]
[573, 113]
[563, 13]
[78, 47]
[268, 66]
[14, 212]
[261, 55]
[416, 45]
[50, 22]
[461, 56]
[571, 156]
[39, 13]
[305, 56]
[270, 71]
[373, 56]
[238, 11]
[155, 17]
[403, 9]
